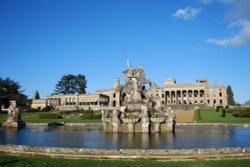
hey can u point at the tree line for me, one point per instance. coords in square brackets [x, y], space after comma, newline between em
[11, 90]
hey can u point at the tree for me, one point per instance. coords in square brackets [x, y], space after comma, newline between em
[230, 96]
[71, 84]
[11, 90]
[36, 95]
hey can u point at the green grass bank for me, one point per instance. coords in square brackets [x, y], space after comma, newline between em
[21, 161]
[211, 116]
[33, 117]
[201, 116]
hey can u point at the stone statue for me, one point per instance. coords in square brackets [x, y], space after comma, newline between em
[115, 116]
[13, 114]
[144, 114]
[104, 114]
[117, 85]
[141, 109]
[134, 84]
[116, 120]
[14, 118]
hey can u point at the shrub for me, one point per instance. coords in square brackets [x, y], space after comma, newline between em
[50, 116]
[224, 112]
[240, 112]
[91, 116]
[199, 114]
[77, 112]
[218, 108]
[31, 110]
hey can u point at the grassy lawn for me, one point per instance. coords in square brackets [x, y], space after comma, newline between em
[211, 116]
[207, 116]
[36, 119]
[3, 116]
[6, 160]
[33, 117]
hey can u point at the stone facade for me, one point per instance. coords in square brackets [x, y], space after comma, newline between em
[182, 95]
[38, 104]
[175, 95]
[199, 93]
[78, 101]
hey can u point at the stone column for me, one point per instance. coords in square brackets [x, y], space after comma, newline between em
[145, 127]
[193, 96]
[176, 97]
[77, 101]
[145, 119]
[183, 97]
[130, 127]
[115, 126]
[157, 127]
[170, 96]
[200, 98]
[166, 98]
[115, 121]
[156, 123]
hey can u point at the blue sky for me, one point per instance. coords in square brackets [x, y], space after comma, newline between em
[42, 40]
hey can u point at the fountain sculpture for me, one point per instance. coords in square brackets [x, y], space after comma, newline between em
[140, 109]
[14, 117]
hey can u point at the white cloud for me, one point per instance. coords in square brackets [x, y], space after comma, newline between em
[238, 14]
[241, 38]
[187, 13]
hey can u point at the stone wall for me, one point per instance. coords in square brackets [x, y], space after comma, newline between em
[137, 127]
[156, 154]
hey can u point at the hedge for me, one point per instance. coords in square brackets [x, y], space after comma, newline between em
[77, 112]
[240, 112]
[50, 116]
[91, 116]
[218, 108]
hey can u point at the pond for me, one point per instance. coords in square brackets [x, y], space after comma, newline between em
[185, 137]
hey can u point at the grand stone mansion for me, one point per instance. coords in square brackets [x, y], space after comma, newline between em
[175, 95]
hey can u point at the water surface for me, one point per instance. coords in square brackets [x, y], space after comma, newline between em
[93, 137]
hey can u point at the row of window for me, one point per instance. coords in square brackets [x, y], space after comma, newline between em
[82, 103]
[190, 95]
[196, 102]
[87, 103]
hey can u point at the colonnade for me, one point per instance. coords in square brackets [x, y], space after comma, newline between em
[185, 97]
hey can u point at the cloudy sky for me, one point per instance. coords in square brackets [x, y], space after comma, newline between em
[44, 39]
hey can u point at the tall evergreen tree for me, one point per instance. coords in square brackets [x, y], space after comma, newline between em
[36, 95]
[11, 90]
[230, 96]
[71, 84]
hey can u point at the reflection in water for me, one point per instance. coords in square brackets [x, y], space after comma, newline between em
[145, 140]
[94, 137]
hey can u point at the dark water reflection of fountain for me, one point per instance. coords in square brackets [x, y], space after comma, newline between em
[94, 137]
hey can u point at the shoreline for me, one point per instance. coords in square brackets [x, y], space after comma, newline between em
[177, 124]
[129, 154]
[192, 154]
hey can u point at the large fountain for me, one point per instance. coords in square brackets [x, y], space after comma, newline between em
[140, 107]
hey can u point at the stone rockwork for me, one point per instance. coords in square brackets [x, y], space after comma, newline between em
[14, 118]
[140, 109]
